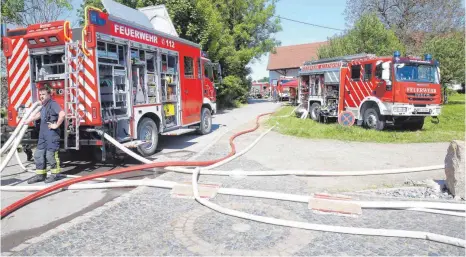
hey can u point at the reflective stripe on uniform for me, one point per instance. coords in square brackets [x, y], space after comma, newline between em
[57, 165]
[41, 172]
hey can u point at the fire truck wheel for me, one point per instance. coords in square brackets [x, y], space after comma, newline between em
[373, 120]
[314, 111]
[206, 122]
[147, 130]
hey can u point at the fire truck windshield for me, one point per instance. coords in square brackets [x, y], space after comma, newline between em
[48, 66]
[415, 72]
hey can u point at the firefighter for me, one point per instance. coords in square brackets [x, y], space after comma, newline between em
[51, 117]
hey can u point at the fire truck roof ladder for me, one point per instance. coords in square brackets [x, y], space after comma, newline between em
[72, 69]
[340, 58]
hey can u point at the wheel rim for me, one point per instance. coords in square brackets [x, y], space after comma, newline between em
[371, 120]
[206, 122]
[148, 136]
[314, 113]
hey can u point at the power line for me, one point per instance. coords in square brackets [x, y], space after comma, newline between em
[307, 23]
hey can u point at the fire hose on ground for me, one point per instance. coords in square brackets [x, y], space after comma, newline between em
[167, 184]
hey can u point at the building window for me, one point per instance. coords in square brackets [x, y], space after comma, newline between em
[188, 67]
[367, 72]
[355, 72]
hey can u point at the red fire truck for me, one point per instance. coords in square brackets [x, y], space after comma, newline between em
[117, 74]
[378, 91]
[284, 86]
[259, 89]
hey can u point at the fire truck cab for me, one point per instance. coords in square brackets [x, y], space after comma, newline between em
[117, 74]
[377, 90]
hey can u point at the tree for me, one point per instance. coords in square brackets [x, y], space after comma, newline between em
[449, 51]
[413, 21]
[264, 79]
[369, 35]
[26, 12]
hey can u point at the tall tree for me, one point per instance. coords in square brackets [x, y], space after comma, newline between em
[414, 21]
[369, 35]
[449, 51]
[26, 12]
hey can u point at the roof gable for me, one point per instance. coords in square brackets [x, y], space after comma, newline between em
[289, 57]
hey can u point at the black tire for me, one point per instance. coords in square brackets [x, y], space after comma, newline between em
[314, 111]
[147, 130]
[206, 122]
[373, 119]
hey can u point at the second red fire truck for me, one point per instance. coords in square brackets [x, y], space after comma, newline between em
[377, 91]
[117, 74]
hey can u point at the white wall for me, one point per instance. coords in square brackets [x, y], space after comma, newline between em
[275, 75]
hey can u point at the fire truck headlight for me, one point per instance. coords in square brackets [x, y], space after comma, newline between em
[400, 109]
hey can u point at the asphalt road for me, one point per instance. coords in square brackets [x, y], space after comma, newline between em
[56, 209]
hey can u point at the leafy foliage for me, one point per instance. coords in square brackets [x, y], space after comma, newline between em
[232, 32]
[26, 12]
[449, 51]
[264, 79]
[369, 35]
[412, 20]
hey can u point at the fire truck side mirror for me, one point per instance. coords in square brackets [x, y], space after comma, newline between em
[386, 71]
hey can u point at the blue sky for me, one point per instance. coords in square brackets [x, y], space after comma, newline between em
[322, 12]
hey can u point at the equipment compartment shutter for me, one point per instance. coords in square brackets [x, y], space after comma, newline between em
[332, 77]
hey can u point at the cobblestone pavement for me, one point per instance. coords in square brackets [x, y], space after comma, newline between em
[149, 221]
[152, 223]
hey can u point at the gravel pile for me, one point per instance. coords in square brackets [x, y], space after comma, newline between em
[427, 189]
[418, 192]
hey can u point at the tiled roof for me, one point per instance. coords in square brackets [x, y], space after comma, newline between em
[289, 57]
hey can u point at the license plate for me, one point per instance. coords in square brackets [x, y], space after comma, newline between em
[422, 110]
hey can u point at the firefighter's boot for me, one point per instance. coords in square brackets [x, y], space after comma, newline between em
[37, 178]
[53, 178]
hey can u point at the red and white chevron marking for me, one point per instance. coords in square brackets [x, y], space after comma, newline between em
[359, 89]
[19, 81]
[86, 80]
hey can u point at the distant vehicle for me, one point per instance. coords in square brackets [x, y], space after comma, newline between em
[283, 87]
[260, 89]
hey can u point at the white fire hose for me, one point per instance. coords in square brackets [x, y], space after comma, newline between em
[8, 143]
[327, 228]
[17, 140]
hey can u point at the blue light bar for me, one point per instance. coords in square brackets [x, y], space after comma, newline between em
[427, 57]
[96, 19]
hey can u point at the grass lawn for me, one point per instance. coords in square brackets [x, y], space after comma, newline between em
[451, 127]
